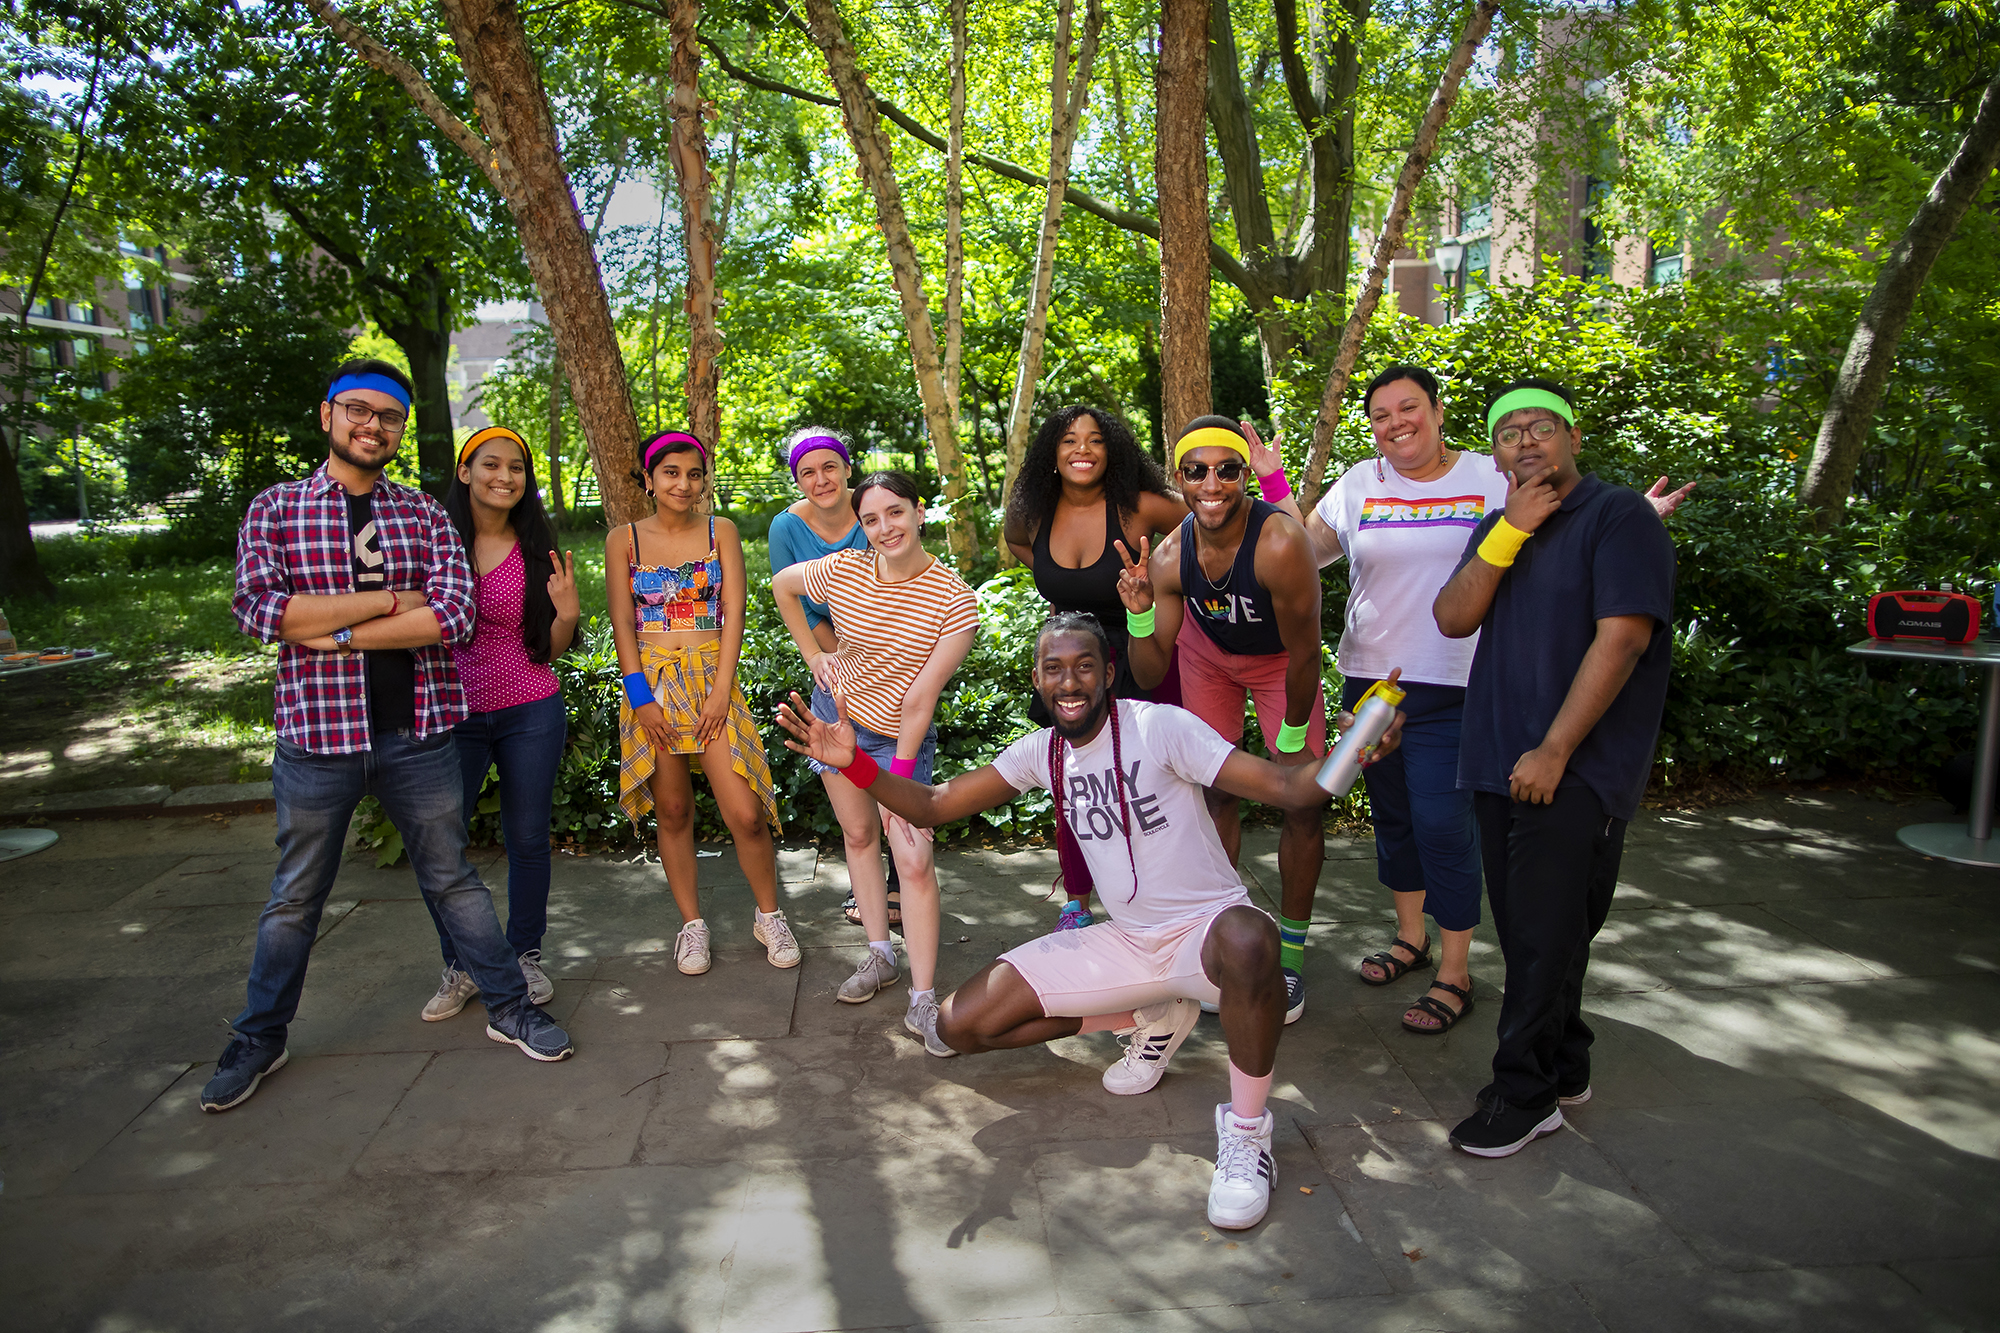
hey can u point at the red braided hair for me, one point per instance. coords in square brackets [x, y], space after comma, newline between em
[1058, 747]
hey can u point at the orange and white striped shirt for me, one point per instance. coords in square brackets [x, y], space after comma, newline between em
[887, 630]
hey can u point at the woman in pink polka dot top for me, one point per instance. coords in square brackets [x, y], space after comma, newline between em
[528, 610]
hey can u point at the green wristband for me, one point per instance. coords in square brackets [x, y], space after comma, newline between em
[1291, 739]
[1140, 623]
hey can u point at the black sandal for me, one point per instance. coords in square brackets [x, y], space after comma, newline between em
[851, 910]
[1447, 1018]
[1393, 967]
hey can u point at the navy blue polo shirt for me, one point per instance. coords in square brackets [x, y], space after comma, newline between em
[1603, 553]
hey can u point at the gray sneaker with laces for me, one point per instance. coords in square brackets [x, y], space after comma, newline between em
[454, 989]
[875, 973]
[540, 989]
[922, 1021]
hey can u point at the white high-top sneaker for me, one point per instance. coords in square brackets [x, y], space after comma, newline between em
[1244, 1172]
[1161, 1030]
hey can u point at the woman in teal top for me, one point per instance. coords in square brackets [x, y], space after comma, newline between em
[820, 524]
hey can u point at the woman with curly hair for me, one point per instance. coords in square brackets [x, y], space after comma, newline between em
[1084, 486]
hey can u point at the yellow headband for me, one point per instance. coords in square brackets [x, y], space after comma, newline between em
[487, 436]
[1209, 437]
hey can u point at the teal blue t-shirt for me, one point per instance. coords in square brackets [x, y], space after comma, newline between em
[793, 540]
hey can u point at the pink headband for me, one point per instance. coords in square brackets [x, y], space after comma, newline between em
[658, 445]
[812, 442]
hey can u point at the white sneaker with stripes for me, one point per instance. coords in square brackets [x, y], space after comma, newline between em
[1244, 1171]
[1161, 1030]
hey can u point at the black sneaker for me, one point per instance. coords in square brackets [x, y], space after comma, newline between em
[1295, 996]
[1498, 1129]
[239, 1071]
[533, 1031]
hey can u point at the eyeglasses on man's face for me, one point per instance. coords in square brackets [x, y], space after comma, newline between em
[389, 419]
[1196, 472]
[1541, 432]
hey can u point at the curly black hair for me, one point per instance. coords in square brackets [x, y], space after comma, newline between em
[1129, 470]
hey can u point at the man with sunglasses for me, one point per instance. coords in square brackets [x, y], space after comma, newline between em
[1571, 590]
[1240, 573]
[365, 583]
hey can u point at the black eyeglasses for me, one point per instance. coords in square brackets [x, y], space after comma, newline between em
[1231, 471]
[391, 421]
[1541, 432]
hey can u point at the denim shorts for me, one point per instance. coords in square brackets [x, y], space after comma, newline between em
[880, 748]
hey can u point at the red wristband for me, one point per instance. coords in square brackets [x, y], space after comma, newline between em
[863, 771]
[903, 768]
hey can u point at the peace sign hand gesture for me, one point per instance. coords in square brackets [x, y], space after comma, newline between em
[562, 587]
[1135, 581]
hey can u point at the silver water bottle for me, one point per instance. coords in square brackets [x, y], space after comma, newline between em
[1374, 713]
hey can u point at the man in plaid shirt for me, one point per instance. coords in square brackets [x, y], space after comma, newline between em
[365, 582]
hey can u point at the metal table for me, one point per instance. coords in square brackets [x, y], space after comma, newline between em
[18, 842]
[1973, 844]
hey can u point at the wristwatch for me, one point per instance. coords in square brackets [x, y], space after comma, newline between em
[343, 639]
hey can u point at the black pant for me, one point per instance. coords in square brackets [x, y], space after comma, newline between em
[1550, 870]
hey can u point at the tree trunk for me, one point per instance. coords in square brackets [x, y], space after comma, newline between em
[1477, 24]
[421, 326]
[1871, 353]
[690, 159]
[1180, 170]
[523, 160]
[1067, 96]
[557, 516]
[878, 172]
[954, 220]
[21, 573]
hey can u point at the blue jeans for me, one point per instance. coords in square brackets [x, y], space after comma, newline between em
[417, 783]
[526, 741]
[1426, 838]
[880, 748]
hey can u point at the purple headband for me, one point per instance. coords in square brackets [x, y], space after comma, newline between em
[657, 446]
[812, 442]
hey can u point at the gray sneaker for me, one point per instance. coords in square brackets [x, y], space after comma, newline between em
[454, 989]
[540, 989]
[533, 1031]
[242, 1067]
[875, 973]
[922, 1021]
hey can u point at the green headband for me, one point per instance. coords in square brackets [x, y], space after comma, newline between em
[1520, 398]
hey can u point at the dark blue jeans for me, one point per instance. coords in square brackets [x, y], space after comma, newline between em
[1426, 838]
[526, 741]
[417, 782]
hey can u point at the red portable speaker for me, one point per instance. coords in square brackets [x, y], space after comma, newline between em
[1940, 617]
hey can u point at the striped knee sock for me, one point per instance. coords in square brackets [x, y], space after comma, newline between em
[1292, 943]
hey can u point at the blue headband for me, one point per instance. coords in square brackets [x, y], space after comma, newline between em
[379, 383]
[812, 442]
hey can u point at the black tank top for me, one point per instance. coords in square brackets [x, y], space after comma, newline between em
[1093, 588]
[1236, 613]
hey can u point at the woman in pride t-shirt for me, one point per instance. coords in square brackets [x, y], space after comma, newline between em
[903, 622]
[1402, 519]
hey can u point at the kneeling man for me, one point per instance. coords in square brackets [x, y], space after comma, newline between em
[1128, 778]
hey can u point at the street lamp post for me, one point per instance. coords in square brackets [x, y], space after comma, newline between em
[1449, 256]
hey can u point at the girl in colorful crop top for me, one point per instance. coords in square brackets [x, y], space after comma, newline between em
[675, 587]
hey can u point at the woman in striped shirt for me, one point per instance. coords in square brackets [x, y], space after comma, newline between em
[904, 622]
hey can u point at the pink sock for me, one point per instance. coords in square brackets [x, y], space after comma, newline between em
[1247, 1094]
[1108, 1022]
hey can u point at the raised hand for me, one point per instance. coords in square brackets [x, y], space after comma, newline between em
[1265, 459]
[1135, 580]
[1531, 502]
[831, 743]
[1665, 503]
[562, 587]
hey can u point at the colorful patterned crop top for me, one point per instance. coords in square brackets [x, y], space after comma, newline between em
[677, 597]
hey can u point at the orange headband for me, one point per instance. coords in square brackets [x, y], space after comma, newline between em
[487, 436]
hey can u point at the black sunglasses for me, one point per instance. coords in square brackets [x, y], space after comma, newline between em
[1231, 471]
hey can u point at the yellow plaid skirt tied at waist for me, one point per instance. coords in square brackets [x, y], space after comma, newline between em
[681, 679]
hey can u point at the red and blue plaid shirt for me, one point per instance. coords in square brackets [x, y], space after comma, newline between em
[296, 539]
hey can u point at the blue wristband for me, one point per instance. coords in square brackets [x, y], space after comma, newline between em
[637, 692]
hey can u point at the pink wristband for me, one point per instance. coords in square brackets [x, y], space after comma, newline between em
[903, 768]
[1275, 487]
[863, 771]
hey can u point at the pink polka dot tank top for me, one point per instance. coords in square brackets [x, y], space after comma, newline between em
[495, 667]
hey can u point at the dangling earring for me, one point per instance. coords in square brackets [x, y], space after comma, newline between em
[1378, 466]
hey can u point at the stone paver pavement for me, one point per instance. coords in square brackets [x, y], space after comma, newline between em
[1794, 1122]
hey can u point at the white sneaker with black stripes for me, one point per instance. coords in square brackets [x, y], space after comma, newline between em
[1244, 1171]
[1161, 1030]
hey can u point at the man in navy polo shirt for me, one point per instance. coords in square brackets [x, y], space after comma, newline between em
[1571, 590]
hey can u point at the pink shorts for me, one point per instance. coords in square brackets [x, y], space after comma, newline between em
[1214, 684]
[1107, 969]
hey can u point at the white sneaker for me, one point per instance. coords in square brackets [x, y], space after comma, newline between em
[454, 989]
[1244, 1172]
[691, 948]
[921, 1021]
[540, 989]
[1161, 1030]
[775, 934]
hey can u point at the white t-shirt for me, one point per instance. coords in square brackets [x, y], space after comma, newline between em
[1404, 539]
[1169, 756]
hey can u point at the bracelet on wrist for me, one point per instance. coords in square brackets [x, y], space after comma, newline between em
[863, 771]
[1291, 739]
[1139, 624]
[1275, 487]
[1499, 547]
[638, 692]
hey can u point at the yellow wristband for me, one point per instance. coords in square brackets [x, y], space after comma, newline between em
[1502, 544]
